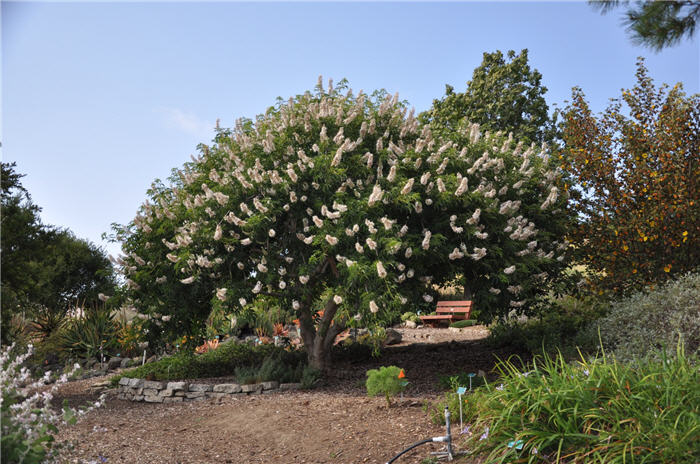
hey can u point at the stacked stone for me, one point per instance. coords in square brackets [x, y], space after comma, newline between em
[177, 392]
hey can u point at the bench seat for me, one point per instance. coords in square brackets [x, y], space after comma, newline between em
[448, 311]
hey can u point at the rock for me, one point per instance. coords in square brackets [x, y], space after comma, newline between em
[136, 383]
[410, 324]
[252, 388]
[200, 387]
[273, 385]
[454, 329]
[114, 363]
[124, 381]
[153, 399]
[150, 392]
[126, 362]
[166, 392]
[215, 395]
[175, 399]
[290, 386]
[177, 386]
[227, 388]
[192, 395]
[231, 339]
[153, 384]
[393, 337]
[90, 363]
[138, 398]
[152, 358]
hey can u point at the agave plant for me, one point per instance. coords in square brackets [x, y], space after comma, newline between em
[45, 322]
[92, 334]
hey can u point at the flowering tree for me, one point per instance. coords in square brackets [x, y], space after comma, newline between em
[637, 174]
[344, 203]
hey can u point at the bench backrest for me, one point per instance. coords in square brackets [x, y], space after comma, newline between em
[454, 307]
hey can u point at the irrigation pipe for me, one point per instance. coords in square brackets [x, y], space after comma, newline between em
[447, 438]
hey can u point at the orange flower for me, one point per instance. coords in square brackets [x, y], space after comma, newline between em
[402, 375]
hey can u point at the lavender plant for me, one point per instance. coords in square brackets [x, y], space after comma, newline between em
[28, 419]
[345, 203]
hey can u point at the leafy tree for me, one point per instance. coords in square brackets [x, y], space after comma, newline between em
[637, 186]
[344, 203]
[656, 24]
[42, 266]
[503, 95]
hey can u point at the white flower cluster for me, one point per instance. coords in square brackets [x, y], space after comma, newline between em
[388, 165]
[29, 416]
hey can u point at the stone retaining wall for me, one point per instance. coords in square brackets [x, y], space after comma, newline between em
[177, 392]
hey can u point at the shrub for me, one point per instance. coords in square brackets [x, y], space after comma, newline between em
[351, 351]
[272, 368]
[93, 333]
[645, 322]
[410, 316]
[463, 323]
[599, 411]
[559, 326]
[220, 362]
[387, 380]
[27, 418]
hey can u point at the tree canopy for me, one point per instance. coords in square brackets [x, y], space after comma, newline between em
[656, 24]
[636, 171]
[43, 266]
[505, 94]
[345, 203]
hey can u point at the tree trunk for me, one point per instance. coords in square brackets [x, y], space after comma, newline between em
[318, 340]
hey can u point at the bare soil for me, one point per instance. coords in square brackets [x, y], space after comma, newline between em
[336, 423]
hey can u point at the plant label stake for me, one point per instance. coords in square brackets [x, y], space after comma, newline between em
[461, 391]
[144, 358]
[470, 375]
[517, 444]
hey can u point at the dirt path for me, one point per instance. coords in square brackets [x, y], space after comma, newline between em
[285, 428]
[334, 424]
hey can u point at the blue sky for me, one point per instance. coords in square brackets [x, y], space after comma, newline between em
[99, 99]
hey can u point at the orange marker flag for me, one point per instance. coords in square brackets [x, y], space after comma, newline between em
[401, 374]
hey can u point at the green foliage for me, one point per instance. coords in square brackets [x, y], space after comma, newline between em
[464, 323]
[15, 445]
[310, 377]
[91, 334]
[272, 368]
[44, 268]
[645, 322]
[597, 411]
[385, 381]
[46, 322]
[321, 205]
[217, 363]
[504, 95]
[560, 325]
[657, 24]
[352, 351]
[410, 316]
[461, 379]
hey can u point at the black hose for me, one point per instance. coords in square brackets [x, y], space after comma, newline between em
[418, 443]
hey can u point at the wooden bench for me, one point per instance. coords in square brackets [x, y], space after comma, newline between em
[448, 311]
